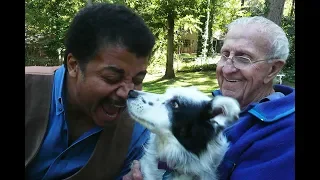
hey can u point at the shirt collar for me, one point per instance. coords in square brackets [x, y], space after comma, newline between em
[59, 78]
[273, 107]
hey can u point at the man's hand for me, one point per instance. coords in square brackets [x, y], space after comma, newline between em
[135, 173]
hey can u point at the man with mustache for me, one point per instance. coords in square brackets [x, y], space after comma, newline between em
[76, 124]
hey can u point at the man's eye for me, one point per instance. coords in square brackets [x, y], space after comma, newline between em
[243, 59]
[112, 80]
[226, 53]
[245, 55]
[137, 80]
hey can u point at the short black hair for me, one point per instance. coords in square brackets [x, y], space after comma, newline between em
[103, 25]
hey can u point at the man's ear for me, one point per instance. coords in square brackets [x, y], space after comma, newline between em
[275, 68]
[72, 65]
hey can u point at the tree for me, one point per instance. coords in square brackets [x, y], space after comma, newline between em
[275, 10]
[292, 8]
[46, 24]
[168, 10]
[222, 13]
[242, 2]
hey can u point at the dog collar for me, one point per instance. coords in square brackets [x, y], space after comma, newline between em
[163, 165]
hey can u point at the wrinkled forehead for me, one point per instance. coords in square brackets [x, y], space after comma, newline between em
[121, 59]
[247, 38]
[253, 32]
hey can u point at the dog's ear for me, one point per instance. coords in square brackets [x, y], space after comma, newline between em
[230, 105]
[214, 110]
[227, 107]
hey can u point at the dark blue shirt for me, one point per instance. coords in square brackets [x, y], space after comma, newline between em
[55, 159]
[262, 141]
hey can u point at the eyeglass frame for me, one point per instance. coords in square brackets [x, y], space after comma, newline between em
[251, 62]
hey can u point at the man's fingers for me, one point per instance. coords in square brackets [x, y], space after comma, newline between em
[137, 176]
[127, 176]
[135, 165]
[136, 173]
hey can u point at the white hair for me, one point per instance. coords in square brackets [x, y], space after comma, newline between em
[278, 39]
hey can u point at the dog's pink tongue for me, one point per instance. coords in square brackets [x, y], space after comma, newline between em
[110, 109]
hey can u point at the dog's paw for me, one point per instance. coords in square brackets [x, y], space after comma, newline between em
[225, 110]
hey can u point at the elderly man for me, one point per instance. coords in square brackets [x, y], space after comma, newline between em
[262, 140]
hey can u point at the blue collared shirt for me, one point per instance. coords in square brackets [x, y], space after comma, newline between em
[262, 140]
[55, 159]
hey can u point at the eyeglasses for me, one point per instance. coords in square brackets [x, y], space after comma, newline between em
[240, 62]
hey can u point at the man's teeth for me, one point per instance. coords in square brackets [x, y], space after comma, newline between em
[112, 116]
[110, 110]
[230, 80]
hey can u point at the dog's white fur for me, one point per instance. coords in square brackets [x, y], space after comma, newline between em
[163, 144]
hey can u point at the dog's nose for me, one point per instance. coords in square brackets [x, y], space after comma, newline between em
[132, 94]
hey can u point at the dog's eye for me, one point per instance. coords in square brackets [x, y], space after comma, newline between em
[175, 104]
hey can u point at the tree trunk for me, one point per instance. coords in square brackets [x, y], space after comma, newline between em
[203, 19]
[242, 2]
[205, 36]
[199, 42]
[292, 8]
[169, 65]
[210, 40]
[275, 10]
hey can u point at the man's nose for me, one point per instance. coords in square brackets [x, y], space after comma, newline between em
[229, 67]
[124, 89]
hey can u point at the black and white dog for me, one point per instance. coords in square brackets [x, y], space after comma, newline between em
[187, 132]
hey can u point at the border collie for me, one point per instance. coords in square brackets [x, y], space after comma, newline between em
[186, 128]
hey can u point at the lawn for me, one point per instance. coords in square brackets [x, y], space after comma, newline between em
[205, 81]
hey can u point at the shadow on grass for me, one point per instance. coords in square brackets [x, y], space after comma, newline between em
[205, 81]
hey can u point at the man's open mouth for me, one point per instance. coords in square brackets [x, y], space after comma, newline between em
[111, 110]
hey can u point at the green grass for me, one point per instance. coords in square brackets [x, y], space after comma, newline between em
[205, 81]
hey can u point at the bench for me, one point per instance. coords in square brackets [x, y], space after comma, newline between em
[280, 77]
